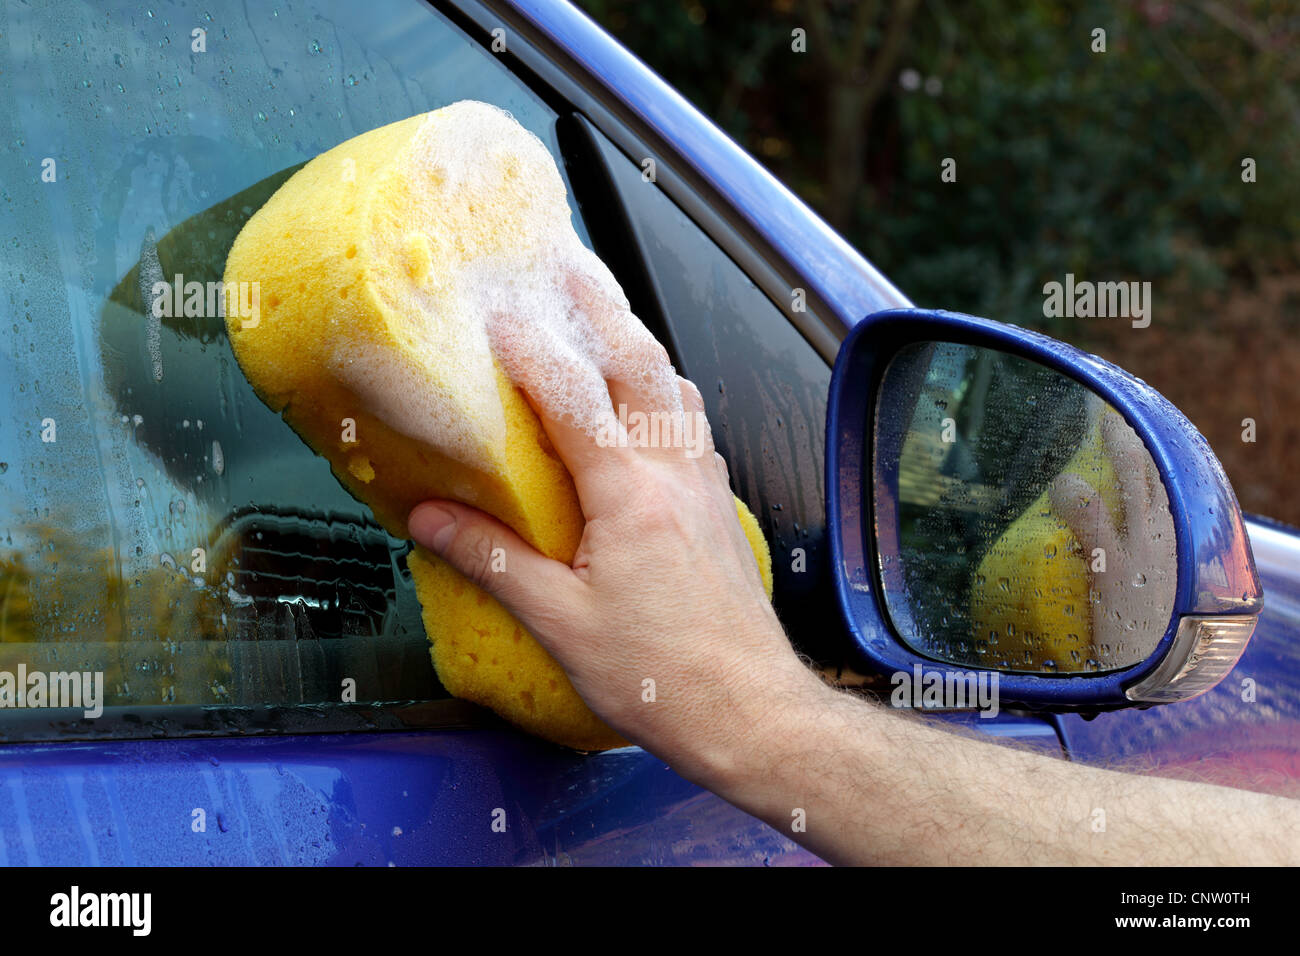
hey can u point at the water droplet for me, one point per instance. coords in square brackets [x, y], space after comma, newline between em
[1139, 580]
[1049, 550]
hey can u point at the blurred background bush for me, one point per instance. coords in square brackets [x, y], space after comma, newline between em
[1123, 165]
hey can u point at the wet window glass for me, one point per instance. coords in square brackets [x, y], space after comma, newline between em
[1022, 523]
[157, 523]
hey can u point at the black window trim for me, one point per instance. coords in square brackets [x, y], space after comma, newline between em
[558, 80]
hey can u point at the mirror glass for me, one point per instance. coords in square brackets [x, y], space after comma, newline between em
[1021, 524]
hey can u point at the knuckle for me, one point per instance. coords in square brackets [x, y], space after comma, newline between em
[473, 549]
[666, 512]
[651, 350]
[691, 397]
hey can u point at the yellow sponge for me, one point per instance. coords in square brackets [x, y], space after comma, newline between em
[483, 654]
[378, 268]
[1030, 599]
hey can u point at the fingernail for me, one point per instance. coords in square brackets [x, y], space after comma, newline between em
[432, 526]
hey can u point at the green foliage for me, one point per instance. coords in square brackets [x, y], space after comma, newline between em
[1117, 165]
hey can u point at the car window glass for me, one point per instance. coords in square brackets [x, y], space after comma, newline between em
[157, 522]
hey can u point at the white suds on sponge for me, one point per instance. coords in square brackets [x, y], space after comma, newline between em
[473, 228]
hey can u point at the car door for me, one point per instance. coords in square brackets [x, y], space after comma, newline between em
[179, 539]
[1242, 733]
[267, 694]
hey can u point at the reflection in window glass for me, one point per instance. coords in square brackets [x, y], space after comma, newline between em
[157, 523]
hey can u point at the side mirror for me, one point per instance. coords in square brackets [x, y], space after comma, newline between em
[998, 501]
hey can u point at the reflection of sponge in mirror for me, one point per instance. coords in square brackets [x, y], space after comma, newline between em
[380, 267]
[1030, 594]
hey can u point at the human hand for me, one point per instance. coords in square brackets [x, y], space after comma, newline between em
[664, 587]
[1128, 592]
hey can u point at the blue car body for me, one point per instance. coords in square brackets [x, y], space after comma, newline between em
[400, 797]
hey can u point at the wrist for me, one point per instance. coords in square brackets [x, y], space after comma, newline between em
[769, 722]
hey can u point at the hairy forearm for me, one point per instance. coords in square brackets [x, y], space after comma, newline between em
[736, 711]
[858, 783]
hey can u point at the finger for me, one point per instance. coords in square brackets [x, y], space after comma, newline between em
[683, 435]
[720, 466]
[1130, 461]
[648, 404]
[491, 555]
[670, 435]
[572, 402]
[636, 366]
[696, 428]
[715, 467]
[640, 376]
[730, 502]
[740, 541]
[1146, 504]
[1079, 505]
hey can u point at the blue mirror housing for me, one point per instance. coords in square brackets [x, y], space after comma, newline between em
[1216, 595]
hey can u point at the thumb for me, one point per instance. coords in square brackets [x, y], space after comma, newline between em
[491, 555]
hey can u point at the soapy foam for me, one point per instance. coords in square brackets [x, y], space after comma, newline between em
[539, 303]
